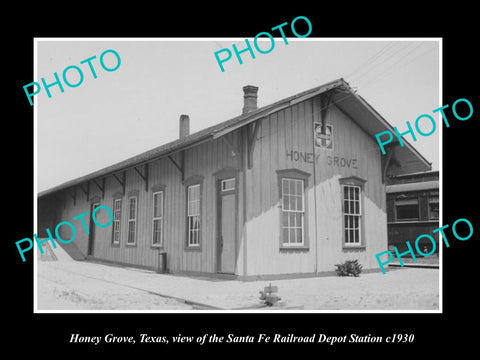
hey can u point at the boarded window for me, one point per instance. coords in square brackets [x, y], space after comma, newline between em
[157, 237]
[293, 211]
[117, 214]
[193, 215]
[132, 220]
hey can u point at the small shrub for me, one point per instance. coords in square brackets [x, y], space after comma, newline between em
[349, 268]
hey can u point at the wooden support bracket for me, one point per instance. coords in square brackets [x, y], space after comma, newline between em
[180, 167]
[86, 191]
[143, 175]
[252, 139]
[121, 181]
[386, 162]
[101, 187]
[74, 196]
[230, 144]
[325, 101]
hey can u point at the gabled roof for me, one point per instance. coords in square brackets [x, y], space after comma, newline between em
[346, 99]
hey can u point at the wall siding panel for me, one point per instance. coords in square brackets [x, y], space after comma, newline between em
[203, 160]
[291, 130]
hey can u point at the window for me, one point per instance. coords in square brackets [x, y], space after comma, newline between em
[352, 215]
[293, 211]
[193, 197]
[293, 208]
[193, 215]
[407, 209]
[132, 219]
[117, 213]
[352, 210]
[228, 184]
[157, 238]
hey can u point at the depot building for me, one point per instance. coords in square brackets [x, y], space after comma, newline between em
[287, 189]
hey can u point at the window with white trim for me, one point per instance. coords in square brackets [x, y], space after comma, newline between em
[193, 215]
[293, 211]
[228, 184]
[117, 214]
[157, 238]
[352, 215]
[132, 220]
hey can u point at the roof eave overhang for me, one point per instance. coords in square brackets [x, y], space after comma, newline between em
[218, 131]
[389, 127]
[123, 165]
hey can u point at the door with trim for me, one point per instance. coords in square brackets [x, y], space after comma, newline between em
[227, 215]
[91, 230]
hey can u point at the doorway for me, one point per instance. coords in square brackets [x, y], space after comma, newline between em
[91, 230]
[227, 215]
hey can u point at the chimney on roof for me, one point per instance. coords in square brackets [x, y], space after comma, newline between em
[249, 98]
[184, 125]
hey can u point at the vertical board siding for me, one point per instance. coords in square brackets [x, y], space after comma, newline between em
[204, 160]
[350, 142]
[67, 213]
[280, 132]
[291, 129]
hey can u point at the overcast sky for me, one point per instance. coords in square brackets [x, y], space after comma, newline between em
[136, 108]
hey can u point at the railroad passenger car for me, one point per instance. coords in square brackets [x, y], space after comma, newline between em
[413, 210]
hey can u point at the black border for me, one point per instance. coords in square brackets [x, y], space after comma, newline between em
[433, 332]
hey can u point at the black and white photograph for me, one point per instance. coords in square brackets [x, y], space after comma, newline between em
[231, 181]
[252, 188]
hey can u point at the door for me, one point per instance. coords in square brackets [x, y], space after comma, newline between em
[227, 228]
[91, 237]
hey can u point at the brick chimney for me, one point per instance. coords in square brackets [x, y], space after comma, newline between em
[249, 98]
[184, 125]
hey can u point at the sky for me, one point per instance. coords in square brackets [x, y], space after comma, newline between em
[137, 107]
